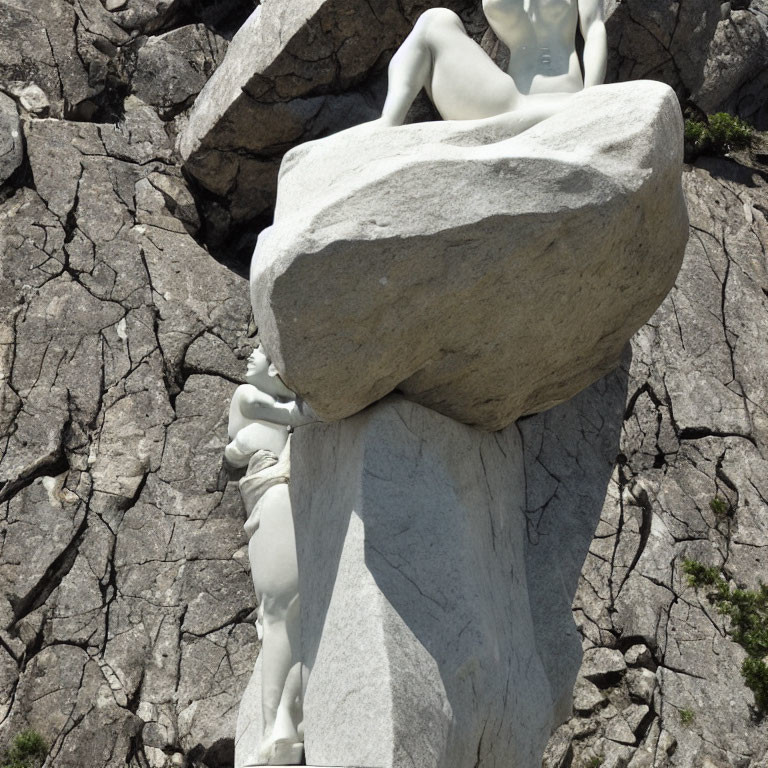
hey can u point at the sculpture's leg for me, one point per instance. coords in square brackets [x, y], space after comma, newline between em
[275, 577]
[281, 687]
[460, 78]
[277, 662]
[287, 737]
[409, 72]
[248, 736]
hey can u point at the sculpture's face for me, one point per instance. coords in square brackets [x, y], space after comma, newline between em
[256, 367]
[261, 374]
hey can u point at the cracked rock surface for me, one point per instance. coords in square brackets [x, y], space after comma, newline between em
[125, 585]
[126, 607]
[713, 54]
[299, 69]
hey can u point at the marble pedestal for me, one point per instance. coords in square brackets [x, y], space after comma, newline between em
[416, 626]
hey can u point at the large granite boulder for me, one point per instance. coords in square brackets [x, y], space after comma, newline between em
[484, 277]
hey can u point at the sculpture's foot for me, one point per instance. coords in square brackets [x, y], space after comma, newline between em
[280, 752]
[285, 752]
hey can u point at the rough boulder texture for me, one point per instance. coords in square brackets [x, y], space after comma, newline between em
[126, 606]
[486, 281]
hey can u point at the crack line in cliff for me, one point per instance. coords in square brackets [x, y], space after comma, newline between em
[52, 577]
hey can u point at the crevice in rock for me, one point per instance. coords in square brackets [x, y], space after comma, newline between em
[241, 616]
[53, 576]
[48, 466]
[136, 755]
[699, 433]
[221, 754]
[622, 485]
[645, 389]
[21, 178]
[133, 701]
[70, 220]
[224, 17]
[642, 730]
[646, 510]
[107, 106]
[180, 638]
[231, 244]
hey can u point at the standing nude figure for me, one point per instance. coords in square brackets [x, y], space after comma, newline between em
[260, 416]
[464, 83]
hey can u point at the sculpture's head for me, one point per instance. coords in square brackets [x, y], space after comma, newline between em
[262, 374]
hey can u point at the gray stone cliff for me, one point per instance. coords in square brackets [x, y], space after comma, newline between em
[126, 604]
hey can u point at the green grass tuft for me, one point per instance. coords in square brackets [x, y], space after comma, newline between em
[729, 132]
[717, 135]
[720, 506]
[687, 716]
[699, 575]
[28, 750]
[747, 610]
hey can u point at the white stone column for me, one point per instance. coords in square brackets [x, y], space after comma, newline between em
[416, 625]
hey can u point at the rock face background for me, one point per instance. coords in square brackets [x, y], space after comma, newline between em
[125, 614]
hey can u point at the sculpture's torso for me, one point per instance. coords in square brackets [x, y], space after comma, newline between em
[541, 37]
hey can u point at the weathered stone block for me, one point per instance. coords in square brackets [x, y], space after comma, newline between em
[485, 278]
[416, 625]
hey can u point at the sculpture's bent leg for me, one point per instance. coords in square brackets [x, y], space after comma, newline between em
[460, 78]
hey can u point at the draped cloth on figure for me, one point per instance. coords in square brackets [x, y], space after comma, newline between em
[265, 470]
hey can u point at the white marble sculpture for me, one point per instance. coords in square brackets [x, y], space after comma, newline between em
[464, 83]
[260, 416]
[482, 277]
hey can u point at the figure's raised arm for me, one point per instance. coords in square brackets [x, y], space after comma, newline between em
[592, 29]
[258, 405]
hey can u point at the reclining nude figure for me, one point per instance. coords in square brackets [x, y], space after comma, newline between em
[464, 83]
[260, 416]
